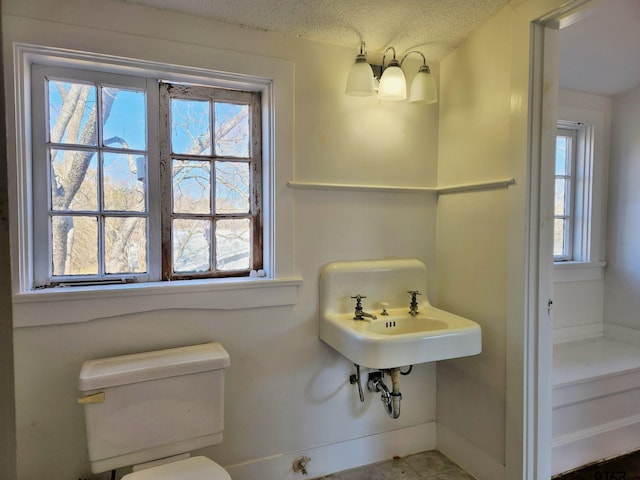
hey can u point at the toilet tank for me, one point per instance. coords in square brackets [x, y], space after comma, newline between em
[152, 405]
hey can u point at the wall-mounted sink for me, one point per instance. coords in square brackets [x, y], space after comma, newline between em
[396, 339]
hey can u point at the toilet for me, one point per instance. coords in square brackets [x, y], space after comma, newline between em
[149, 410]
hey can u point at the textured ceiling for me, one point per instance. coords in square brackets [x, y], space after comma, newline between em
[436, 27]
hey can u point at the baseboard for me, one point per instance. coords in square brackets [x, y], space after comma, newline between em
[468, 456]
[594, 444]
[622, 334]
[578, 332]
[335, 457]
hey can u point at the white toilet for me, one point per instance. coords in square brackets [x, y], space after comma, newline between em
[150, 409]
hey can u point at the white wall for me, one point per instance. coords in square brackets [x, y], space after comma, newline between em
[622, 278]
[286, 391]
[485, 402]
[472, 280]
[579, 288]
[7, 394]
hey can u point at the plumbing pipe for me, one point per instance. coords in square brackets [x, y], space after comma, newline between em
[390, 399]
[395, 392]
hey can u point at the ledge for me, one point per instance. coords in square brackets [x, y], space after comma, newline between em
[468, 187]
[356, 187]
[82, 304]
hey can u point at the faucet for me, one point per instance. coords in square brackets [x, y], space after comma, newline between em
[413, 307]
[360, 314]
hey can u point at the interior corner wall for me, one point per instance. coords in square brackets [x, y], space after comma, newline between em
[622, 277]
[471, 245]
[484, 403]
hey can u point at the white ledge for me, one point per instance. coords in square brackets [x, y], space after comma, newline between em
[353, 186]
[81, 304]
[470, 187]
[401, 188]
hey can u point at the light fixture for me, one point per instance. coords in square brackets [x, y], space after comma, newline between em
[423, 87]
[360, 81]
[393, 85]
[390, 80]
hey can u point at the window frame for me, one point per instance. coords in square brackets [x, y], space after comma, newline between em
[158, 191]
[569, 177]
[585, 195]
[167, 92]
[42, 274]
[273, 77]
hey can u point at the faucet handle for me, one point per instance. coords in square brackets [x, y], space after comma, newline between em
[358, 298]
[413, 307]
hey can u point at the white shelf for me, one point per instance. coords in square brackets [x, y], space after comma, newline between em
[399, 188]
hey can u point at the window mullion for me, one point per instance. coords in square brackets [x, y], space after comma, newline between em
[213, 247]
[166, 169]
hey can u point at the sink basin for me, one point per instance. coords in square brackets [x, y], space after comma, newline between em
[396, 339]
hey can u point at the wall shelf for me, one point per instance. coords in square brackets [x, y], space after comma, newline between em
[399, 188]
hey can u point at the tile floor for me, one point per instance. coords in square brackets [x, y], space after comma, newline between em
[430, 465]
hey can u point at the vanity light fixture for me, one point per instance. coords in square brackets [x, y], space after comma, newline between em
[393, 85]
[389, 81]
[360, 82]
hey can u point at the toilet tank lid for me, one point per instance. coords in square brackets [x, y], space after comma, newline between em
[140, 367]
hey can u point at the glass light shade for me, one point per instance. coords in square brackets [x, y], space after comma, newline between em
[360, 79]
[423, 88]
[393, 85]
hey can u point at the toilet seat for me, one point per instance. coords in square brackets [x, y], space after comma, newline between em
[194, 468]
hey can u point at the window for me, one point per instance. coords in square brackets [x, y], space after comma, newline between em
[140, 180]
[212, 164]
[573, 202]
[564, 190]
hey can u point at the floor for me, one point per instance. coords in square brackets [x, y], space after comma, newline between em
[431, 465]
[626, 467]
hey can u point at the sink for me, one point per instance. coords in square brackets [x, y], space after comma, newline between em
[396, 339]
[404, 324]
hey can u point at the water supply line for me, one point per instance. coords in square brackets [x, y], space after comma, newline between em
[390, 398]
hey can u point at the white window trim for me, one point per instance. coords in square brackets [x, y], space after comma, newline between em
[595, 114]
[36, 307]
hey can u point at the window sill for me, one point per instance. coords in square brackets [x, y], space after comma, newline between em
[82, 304]
[577, 271]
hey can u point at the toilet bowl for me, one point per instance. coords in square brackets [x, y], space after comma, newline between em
[194, 468]
[149, 410]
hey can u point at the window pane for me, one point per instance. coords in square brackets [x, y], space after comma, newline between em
[559, 233]
[72, 113]
[232, 130]
[124, 180]
[191, 245]
[560, 206]
[73, 180]
[190, 127]
[124, 118]
[232, 187]
[74, 245]
[562, 152]
[125, 244]
[233, 244]
[191, 186]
